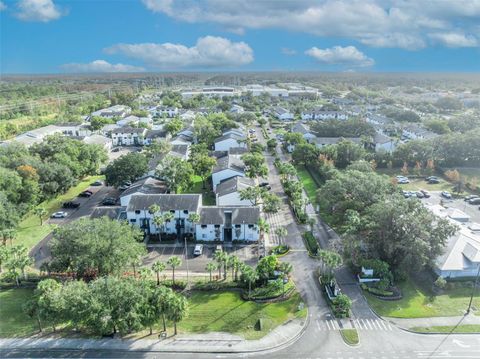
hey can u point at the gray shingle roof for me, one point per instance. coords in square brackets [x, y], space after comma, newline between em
[112, 212]
[230, 136]
[139, 130]
[233, 162]
[233, 185]
[240, 215]
[147, 185]
[167, 202]
[334, 140]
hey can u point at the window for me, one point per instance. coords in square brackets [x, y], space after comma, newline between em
[217, 226]
[204, 226]
[137, 211]
[185, 211]
[172, 211]
[204, 235]
[251, 226]
[133, 220]
[238, 226]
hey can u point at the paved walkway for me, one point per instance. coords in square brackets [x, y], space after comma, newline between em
[284, 334]
[434, 321]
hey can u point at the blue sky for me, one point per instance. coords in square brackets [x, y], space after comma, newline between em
[53, 36]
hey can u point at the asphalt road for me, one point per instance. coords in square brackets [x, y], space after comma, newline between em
[41, 252]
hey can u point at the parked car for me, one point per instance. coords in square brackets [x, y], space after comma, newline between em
[474, 201]
[218, 248]
[198, 250]
[433, 181]
[263, 184]
[446, 195]
[116, 149]
[419, 194]
[86, 193]
[431, 178]
[472, 196]
[59, 215]
[109, 201]
[425, 193]
[96, 183]
[402, 180]
[70, 205]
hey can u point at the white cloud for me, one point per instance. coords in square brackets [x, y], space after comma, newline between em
[2, 6]
[339, 55]
[380, 23]
[454, 39]
[100, 66]
[209, 51]
[287, 51]
[38, 10]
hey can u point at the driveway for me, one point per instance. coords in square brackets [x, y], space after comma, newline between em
[41, 252]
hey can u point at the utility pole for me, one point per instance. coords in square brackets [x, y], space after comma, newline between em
[186, 258]
[473, 291]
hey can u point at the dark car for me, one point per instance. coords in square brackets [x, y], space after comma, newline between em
[116, 149]
[468, 198]
[70, 205]
[85, 194]
[109, 201]
[263, 184]
[433, 181]
[474, 201]
[425, 193]
[97, 183]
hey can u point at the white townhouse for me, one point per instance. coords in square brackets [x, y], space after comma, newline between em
[384, 143]
[323, 115]
[166, 111]
[228, 224]
[100, 140]
[113, 111]
[227, 192]
[282, 114]
[75, 129]
[230, 140]
[154, 135]
[304, 129]
[128, 136]
[181, 140]
[237, 109]
[227, 167]
[179, 205]
[414, 132]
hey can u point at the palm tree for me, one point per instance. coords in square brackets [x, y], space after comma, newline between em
[159, 221]
[174, 262]
[286, 268]
[225, 260]
[234, 262]
[218, 257]
[40, 212]
[210, 267]
[167, 217]
[145, 273]
[263, 227]
[250, 275]
[193, 218]
[158, 267]
[177, 309]
[4, 255]
[154, 208]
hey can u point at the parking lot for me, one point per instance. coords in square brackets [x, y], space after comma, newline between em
[472, 210]
[246, 253]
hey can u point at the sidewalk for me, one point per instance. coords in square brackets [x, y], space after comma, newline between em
[434, 321]
[284, 334]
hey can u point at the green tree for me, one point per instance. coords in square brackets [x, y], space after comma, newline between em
[127, 168]
[281, 233]
[210, 267]
[177, 309]
[40, 212]
[271, 202]
[263, 227]
[250, 276]
[174, 262]
[203, 166]
[177, 173]
[219, 257]
[95, 247]
[16, 262]
[174, 126]
[255, 165]
[342, 305]
[253, 194]
[158, 267]
[266, 267]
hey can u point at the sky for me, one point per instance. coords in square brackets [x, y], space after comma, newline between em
[103, 36]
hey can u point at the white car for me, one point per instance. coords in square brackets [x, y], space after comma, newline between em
[59, 215]
[198, 250]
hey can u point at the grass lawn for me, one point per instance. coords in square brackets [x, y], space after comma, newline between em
[13, 321]
[29, 231]
[218, 311]
[466, 328]
[228, 312]
[417, 302]
[208, 197]
[308, 183]
[350, 336]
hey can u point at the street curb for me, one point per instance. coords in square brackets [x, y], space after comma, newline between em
[284, 344]
[350, 345]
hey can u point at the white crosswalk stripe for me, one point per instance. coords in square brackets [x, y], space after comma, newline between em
[359, 324]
